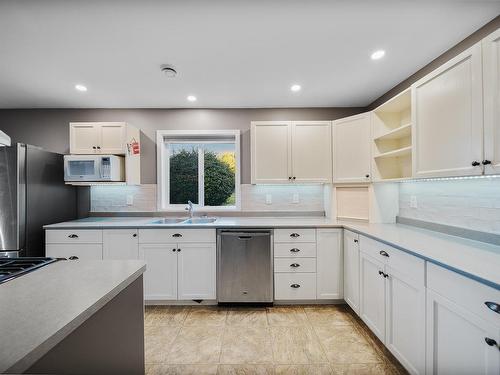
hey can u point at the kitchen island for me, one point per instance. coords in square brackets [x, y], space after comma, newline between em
[74, 317]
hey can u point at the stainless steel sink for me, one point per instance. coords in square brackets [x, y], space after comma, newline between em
[200, 220]
[168, 220]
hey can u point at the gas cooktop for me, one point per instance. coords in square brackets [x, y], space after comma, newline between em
[11, 268]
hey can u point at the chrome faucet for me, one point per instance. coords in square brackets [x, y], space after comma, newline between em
[190, 209]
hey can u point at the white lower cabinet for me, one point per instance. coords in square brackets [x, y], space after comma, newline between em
[295, 286]
[372, 294]
[120, 244]
[351, 269]
[329, 264]
[160, 278]
[196, 271]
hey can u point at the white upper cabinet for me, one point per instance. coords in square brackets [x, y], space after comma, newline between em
[491, 82]
[312, 151]
[98, 137]
[120, 244]
[447, 110]
[291, 151]
[271, 152]
[351, 149]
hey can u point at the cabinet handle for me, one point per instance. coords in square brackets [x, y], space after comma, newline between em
[294, 177]
[294, 265]
[486, 162]
[491, 342]
[356, 241]
[493, 306]
[73, 236]
[294, 250]
[178, 250]
[383, 274]
[384, 253]
[98, 147]
[73, 257]
[134, 235]
[176, 235]
[289, 178]
[475, 163]
[93, 147]
[174, 250]
[295, 235]
[295, 286]
[380, 273]
[367, 175]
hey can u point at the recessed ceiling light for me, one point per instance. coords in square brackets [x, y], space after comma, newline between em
[296, 88]
[378, 54]
[191, 98]
[80, 87]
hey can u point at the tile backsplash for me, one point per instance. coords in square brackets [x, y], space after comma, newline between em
[253, 198]
[467, 203]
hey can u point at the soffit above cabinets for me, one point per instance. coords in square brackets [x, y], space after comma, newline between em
[227, 54]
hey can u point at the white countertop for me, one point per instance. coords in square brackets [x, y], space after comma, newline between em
[474, 259]
[41, 308]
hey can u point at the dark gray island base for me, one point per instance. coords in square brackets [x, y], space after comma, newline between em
[110, 342]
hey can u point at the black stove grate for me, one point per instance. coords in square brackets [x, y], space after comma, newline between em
[11, 268]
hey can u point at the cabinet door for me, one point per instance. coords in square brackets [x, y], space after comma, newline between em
[372, 294]
[329, 266]
[112, 138]
[80, 251]
[351, 149]
[447, 109]
[456, 340]
[160, 278]
[312, 151]
[196, 271]
[84, 137]
[491, 82]
[271, 152]
[405, 320]
[351, 270]
[120, 244]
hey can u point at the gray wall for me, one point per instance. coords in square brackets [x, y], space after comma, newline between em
[48, 128]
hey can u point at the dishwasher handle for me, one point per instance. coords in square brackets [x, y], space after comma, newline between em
[246, 235]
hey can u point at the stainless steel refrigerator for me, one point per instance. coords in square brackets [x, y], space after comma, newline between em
[32, 194]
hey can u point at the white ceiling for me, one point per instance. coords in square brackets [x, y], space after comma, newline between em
[228, 53]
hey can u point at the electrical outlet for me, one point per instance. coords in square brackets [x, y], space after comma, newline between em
[269, 199]
[413, 201]
[130, 200]
[295, 198]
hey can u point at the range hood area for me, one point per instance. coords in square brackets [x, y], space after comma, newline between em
[4, 139]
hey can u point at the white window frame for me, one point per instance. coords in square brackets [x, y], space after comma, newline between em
[163, 168]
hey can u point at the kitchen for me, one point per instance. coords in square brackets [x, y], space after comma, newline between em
[173, 203]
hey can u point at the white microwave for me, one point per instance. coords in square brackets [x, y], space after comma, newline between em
[94, 168]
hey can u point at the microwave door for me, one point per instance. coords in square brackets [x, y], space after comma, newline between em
[82, 170]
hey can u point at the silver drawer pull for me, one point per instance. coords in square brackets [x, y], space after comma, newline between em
[73, 257]
[384, 253]
[294, 265]
[73, 236]
[176, 235]
[294, 235]
[491, 342]
[493, 306]
[294, 250]
[295, 286]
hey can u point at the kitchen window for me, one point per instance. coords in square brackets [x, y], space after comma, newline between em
[198, 166]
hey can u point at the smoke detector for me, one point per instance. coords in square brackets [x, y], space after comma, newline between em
[168, 70]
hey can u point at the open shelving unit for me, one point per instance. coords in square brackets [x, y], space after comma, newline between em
[392, 139]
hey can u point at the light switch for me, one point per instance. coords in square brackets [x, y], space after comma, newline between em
[295, 198]
[269, 199]
[130, 200]
[413, 201]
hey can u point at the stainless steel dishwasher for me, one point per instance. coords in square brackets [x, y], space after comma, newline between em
[244, 266]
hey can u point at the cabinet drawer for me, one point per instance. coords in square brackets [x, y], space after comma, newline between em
[294, 286]
[295, 235]
[373, 248]
[82, 251]
[176, 235]
[465, 292]
[73, 236]
[295, 265]
[295, 250]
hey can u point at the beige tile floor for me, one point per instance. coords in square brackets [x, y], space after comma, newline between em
[274, 340]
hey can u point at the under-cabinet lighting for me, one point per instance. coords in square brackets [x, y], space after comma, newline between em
[191, 98]
[81, 88]
[296, 88]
